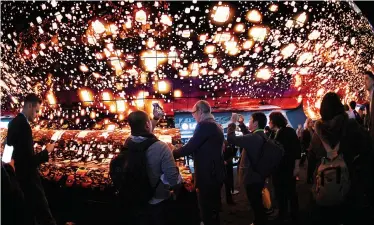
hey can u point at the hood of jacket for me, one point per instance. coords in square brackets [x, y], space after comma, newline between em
[332, 131]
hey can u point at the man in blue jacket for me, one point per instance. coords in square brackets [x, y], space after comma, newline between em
[206, 146]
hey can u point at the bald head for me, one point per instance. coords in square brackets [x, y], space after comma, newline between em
[203, 106]
[201, 110]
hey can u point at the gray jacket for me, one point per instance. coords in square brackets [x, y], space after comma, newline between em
[160, 161]
[252, 144]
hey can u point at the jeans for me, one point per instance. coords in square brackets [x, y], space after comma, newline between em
[209, 198]
[254, 195]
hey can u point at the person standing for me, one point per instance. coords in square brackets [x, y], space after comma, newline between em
[369, 85]
[358, 118]
[252, 143]
[305, 141]
[228, 154]
[284, 179]
[26, 163]
[206, 145]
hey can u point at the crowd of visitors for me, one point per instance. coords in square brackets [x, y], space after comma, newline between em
[338, 150]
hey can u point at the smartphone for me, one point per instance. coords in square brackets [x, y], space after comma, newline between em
[158, 108]
[7, 154]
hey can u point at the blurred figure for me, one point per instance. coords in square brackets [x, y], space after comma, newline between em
[267, 131]
[26, 162]
[358, 118]
[229, 152]
[299, 130]
[369, 85]
[349, 111]
[336, 131]
[206, 144]
[284, 180]
[305, 141]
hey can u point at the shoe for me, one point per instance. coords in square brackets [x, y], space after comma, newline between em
[235, 192]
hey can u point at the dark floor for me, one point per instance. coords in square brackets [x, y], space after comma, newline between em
[240, 214]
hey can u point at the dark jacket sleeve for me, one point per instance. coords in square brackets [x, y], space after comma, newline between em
[243, 128]
[239, 141]
[197, 140]
[20, 136]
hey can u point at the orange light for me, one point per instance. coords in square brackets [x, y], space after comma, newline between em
[98, 27]
[263, 74]
[51, 98]
[85, 96]
[177, 93]
[121, 106]
[221, 14]
[83, 68]
[273, 8]
[165, 19]
[258, 33]
[141, 17]
[288, 50]
[239, 28]
[163, 86]
[210, 49]
[254, 16]
[248, 44]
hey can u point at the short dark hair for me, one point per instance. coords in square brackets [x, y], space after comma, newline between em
[352, 104]
[370, 74]
[331, 106]
[260, 118]
[278, 119]
[33, 99]
[137, 121]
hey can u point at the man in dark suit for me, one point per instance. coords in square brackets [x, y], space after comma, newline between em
[26, 163]
[206, 144]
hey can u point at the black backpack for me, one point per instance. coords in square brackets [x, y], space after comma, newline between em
[270, 157]
[130, 176]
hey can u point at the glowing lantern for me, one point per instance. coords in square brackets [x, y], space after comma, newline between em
[42, 45]
[140, 99]
[112, 108]
[113, 29]
[163, 86]
[150, 43]
[221, 14]
[239, 28]
[222, 37]
[248, 44]
[254, 16]
[85, 95]
[305, 58]
[263, 74]
[141, 17]
[301, 18]
[177, 93]
[186, 33]
[92, 115]
[121, 117]
[152, 59]
[258, 33]
[210, 49]
[106, 96]
[273, 8]
[51, 98]
[298, 81]
[165, 19]
[288, 50]
[83, 68]
[121, 106]
[98, 27]
[314, 35]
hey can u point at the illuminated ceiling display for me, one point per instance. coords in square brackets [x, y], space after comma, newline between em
[91, 60]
